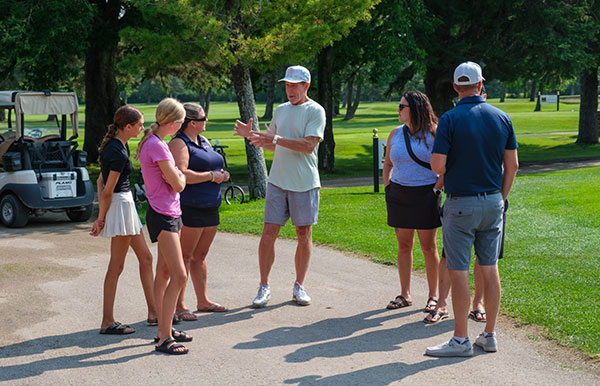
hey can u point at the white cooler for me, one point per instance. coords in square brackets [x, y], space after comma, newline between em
[58, 184]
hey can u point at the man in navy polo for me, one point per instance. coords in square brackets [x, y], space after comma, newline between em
[476, 150]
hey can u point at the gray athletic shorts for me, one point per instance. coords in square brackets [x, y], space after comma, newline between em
[301, 207]
[472, 222]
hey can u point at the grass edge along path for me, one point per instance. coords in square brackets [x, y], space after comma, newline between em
[550, 272]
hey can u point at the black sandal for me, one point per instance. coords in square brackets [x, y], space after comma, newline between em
[429, 307]
[118, 329]
[434, 313]
[178, 336]
[399, 302]
[473, 316]
[170, 347]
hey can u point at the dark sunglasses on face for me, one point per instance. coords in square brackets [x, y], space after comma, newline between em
[199, 119]
[401, 107]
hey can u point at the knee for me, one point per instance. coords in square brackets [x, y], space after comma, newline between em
[304, 233]
[145, 259]
[429, 250]
[179, 278]
[114, 270]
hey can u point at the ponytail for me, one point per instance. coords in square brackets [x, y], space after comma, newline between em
[110, 134]
[147, 132]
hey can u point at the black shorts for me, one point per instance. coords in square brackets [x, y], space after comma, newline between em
[199, 217]
[157, 222]
[412, 207]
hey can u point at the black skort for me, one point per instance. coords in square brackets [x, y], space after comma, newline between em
[199, 217]
[156, 222]
[412, 207]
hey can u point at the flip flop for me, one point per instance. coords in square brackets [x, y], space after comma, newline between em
[434, 313]
[430, 307]
[169, 347]
[152, 322]
[399, 302]
[473, 316]
[215, 307]
[187, 316]
[118, 329]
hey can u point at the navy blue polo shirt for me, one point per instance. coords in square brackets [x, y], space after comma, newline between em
[473, 136]
[202, 159]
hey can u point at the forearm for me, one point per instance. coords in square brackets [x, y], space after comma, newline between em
[439, 184]
[387, 174]
[193, 177]
[303, 145]
[104, 201]
[508, 177]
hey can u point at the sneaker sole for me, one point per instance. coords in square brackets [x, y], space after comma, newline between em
[436, 354]
[301, 303]
[487, 349]
[256, 305]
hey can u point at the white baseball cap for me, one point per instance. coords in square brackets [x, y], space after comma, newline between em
[296, 74]
[470, 70]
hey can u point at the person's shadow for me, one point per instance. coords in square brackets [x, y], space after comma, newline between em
[375, 376]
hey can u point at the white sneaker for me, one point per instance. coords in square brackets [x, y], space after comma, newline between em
[300, 296]
[488, 344]
[451, 349]
[262, 297]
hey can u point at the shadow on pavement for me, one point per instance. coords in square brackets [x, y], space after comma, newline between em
[377, 375]
[335, 328]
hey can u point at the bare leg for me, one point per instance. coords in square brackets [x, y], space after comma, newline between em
[118, 250]
[444, 287]
[170, 250]
[199, 269]
[139, 246]
[479, 285]
[303, 252]
[431, 257]
[461, 297]
[492, 292]
[189, 241]
[406, 240]
[266, 250]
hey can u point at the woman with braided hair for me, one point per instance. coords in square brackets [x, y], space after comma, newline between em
[118, 218]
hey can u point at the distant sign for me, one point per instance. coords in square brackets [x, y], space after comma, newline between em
[381, 151]
[548, 99]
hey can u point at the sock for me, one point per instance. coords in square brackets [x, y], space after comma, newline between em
[460, 340]
[489, 334]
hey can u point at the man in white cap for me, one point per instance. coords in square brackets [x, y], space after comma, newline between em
[476, 150]
[293, 188]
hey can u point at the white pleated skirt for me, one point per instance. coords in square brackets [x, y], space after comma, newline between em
[122, 218]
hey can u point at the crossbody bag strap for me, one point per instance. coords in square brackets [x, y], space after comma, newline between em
[410, 151]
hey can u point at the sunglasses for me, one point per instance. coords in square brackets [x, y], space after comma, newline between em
[199, 119]
[401, 107]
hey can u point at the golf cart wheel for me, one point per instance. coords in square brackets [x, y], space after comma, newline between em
[12, 212]
[80, 214]
[234, 195]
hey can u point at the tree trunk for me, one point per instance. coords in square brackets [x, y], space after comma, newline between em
[588, 110]
[502, 93]
[336, 98]
[439, 89]
[270, 96]
[206, 105]
[349, 92]
[257, 169]
[533, 93]
[101, 91]
[325, 95]
[351, 110]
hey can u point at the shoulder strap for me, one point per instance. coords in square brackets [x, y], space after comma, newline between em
[410, 151]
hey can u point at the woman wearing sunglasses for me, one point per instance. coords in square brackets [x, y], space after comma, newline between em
[412, 193]
[200, 201]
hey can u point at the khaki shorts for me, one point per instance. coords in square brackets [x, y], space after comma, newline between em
[301, 207]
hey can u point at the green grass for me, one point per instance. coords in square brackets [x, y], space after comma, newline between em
[353, 138]
[550, 273]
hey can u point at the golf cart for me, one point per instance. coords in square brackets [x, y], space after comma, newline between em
[40, 169]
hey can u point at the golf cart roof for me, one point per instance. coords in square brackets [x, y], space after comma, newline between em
[40, 103]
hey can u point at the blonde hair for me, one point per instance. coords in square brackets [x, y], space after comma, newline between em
[125, 115]
[168, 110]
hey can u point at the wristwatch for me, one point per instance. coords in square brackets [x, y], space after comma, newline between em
[275, 139]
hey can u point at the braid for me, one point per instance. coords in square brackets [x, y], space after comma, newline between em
[110, 134]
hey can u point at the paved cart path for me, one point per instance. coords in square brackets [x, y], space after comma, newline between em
[50, 302]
